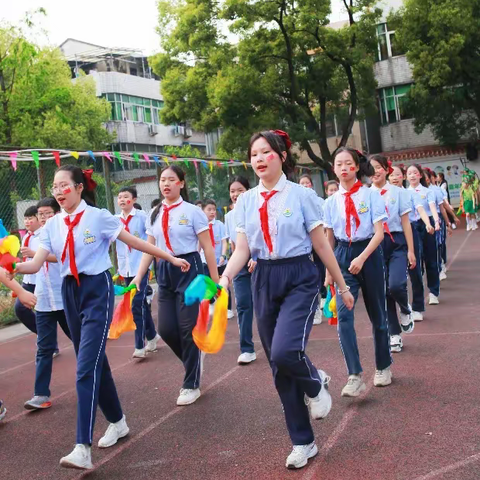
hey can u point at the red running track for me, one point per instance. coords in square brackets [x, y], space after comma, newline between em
[426, 425]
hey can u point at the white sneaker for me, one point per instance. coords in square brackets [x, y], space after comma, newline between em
[383, 377]
[443, 275]
[406, 322]
[468, 226]
[417, 316]
[81, 458]
[246, 358]
[139, 353]
[114, 433]
[188, 396]
[320, 406]
[230, 314]
[300, 455]
[354, 387]
[322, 302]
[432, 299]
[396, 343]
[152, 344]
[454, 226]
[317, 319]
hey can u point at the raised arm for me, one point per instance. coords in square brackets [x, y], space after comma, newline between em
[29, 268]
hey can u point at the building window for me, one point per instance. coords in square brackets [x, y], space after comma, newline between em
[394, 103]
[387, 45]
[134, 109]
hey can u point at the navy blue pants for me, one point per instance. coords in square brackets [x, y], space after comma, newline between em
[89, 311]
[396, 266]
[242, 286]
[24, 314]
[426, 258]
[142, 314]
[285, 297]
[46, 346]
[321, 273]
[177, 320]
[371, 280]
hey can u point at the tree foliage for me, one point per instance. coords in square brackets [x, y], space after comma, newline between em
[39, 104]
[442, 39]
[278, 65]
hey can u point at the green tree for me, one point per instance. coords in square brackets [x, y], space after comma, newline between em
[39, 104]
[279, 66]
[442, 39]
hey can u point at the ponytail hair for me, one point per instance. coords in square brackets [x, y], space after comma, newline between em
[280, 142]
[183, 192]
[83, 177]
[365, 169]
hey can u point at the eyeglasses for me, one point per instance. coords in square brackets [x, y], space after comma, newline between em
[62, 189]
[46, 215]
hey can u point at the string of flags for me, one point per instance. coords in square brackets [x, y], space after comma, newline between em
[38, 155]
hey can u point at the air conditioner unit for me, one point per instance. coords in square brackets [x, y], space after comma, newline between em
[179, 131]
[188, 132]
[152, 130]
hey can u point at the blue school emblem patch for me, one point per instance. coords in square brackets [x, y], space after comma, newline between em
[393, 201]
[136, 234]
[183, 220]
[287, 213]
[88, 238]
[362, 207]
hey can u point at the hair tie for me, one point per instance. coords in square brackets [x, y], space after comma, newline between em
[390, 168]
[325, 184]
[90, 184]
[285, 136]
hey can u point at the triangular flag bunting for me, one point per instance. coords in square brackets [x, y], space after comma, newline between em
[56, 155]
[91, 155]
[136, 157]
[75, 155]
[36, 158]
[13, 159]
[156, 160]
[146, 157]
[108, 157]
[119, 158]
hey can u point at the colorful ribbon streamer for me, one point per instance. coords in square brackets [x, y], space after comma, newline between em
[122, 317]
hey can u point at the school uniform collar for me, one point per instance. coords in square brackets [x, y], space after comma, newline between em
[35, 233]
[281, 184]
[212, 222]
[385, 187]
[81, 207]
[343, 191]
[178, 202]
[131, 214]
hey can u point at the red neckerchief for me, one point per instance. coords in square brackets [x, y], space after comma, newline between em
[125, 224]
[212, 236]
[385, 224]
[350, 210]
[70, 244]
[264, 218]
[28, 236]
[165, 217]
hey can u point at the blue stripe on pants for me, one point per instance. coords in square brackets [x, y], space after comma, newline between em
[142, 314]
[396, 265]
[89, 311]
[242, 287]
[371, 280]
[285, 297]
[175, 319]
[46, 345]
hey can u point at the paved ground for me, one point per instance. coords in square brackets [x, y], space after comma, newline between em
[426, 425]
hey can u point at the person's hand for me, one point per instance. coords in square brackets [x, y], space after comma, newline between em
[457, 220]
[449, 229]
[356, 265]
[137, 281]
[430, 229]
[412, 261]
[328, 279]
[251, 265]
[437, 226]
[348, 300]
[183, 264]
[28, 299]
[224, 282]
[27, 252]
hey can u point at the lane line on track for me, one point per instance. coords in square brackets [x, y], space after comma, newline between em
[154, 425]
[311, 472]
[450, 468]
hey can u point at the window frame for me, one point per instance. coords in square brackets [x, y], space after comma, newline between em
[384, 117]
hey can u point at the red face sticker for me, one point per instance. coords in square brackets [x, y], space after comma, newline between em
[352, 169]
[67, 190]
[270, 157]
[129, 202]
[178, 183]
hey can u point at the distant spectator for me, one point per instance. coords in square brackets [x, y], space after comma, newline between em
[443, 184]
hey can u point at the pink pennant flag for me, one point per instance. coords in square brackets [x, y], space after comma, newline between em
[13, 159]
[107, 156]
[196, 165]
[146, 157]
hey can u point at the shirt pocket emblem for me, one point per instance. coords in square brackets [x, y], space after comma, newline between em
[136, 234]
[393, 201]
[183, 220]
[88, 238]
[362, 207]
[287, 212]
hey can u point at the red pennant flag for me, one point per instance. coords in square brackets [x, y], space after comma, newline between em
[57, 158]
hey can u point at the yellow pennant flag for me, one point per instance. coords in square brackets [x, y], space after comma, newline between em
[245, 165]
[211, 166]
[75, 155]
